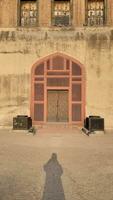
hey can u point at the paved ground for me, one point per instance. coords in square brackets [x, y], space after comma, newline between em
[56, 164]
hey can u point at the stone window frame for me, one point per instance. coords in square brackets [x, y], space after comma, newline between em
[71, 14]
[105, 14]
[19, 14]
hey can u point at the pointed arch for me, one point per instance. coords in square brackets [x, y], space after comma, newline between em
[56, 54]
[58, 72]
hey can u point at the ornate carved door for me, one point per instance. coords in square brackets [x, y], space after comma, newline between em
[57, 106]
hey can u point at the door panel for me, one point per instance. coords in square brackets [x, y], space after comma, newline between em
[57, 106]
[63, 106]
[52, 105]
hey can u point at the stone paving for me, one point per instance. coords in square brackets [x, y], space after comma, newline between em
[56, 164]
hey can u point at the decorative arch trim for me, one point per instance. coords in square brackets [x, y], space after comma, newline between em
[50, 56]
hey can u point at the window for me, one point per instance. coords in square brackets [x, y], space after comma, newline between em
[95, 12]
[61, 12]
[28, 13]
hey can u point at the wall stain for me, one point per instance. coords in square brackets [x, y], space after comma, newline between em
[111, 35]
[98, 72]
[7, 35]
[92, 40]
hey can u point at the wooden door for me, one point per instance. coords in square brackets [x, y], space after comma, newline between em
[57, 106]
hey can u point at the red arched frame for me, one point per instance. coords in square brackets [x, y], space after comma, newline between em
[58, 72]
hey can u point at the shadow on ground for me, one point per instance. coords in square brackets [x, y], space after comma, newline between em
[53, 188]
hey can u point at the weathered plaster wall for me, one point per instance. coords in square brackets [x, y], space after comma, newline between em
[45, 13]
[19, 49]
[8, 13]
[109, 12]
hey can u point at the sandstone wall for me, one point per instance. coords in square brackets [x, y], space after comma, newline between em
[20, 48]
[8, 13]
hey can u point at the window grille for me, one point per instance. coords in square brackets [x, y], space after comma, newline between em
[95, 12]
[38, 112]
[39, 69]
[28, 13]
[76, 112]
[58, 82]
[61, 12]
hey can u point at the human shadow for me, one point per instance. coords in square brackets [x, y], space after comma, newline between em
[53, 188]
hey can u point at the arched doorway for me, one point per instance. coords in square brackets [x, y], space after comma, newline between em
[58, 90]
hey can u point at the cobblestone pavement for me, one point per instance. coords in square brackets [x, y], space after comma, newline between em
[81, 167]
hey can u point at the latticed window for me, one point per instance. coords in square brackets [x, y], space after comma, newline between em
[61, 12]
[95, 12]
[28, 12]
